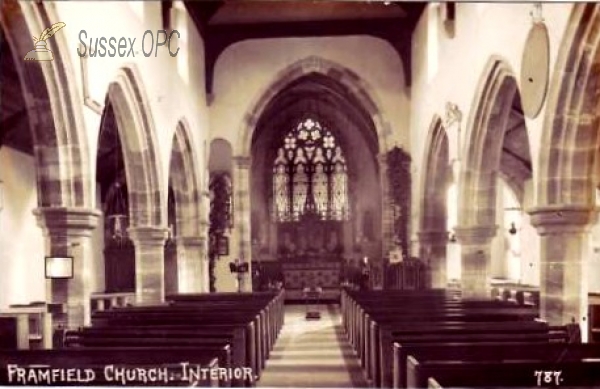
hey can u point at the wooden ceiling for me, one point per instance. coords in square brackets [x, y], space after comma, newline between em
[223, 23]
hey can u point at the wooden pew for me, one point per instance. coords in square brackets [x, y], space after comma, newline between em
[259, 316]
[505, 374]
[368, 338]
[274, 308]
[262, 318]
[486, 352]
[246, 322]
[241, 355]
[382, 368]
[363, 315]
[99, 367]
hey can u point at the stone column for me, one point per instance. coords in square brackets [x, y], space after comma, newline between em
[241, 186]
[433, 252]
[149, 263]
[564, 255]
[193, 265]
[476, 246]
[67, 231]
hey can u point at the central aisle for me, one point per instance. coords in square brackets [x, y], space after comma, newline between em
[312, 353]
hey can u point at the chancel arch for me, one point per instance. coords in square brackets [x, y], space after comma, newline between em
[358, 90]
[568, 176]
[497, 145]
[315, 173]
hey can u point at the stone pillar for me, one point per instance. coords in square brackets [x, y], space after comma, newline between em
[149, 263]
[67, 231]
[192, 265]
[433, 252]
[564, 256]
[241, 186]
[476, 246]
[387, 212]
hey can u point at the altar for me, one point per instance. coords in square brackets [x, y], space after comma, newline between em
[300, 275]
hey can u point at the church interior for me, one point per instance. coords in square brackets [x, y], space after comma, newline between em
[300, 193]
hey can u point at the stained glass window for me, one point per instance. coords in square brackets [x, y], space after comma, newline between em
[310, 175]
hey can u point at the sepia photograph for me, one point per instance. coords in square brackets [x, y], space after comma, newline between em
[300, 194]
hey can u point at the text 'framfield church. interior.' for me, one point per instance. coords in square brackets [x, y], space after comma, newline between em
[300, 193]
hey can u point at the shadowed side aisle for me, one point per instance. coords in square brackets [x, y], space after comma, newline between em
[312, 353]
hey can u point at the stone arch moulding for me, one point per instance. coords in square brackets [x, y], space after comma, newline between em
[356, 85]
[184, 176]
[482, 146]
[434, 179]
[147, 197]
[61, 150]
[570, 137]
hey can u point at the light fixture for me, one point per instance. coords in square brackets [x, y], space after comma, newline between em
[59, 267]
[116, 202]
[513, 229]
[116, 211]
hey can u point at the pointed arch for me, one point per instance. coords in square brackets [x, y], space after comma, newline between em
[185, 181]
[357, 87]
[61, 152]
[483, 149]
[435, 179]
[147, 198]
[568, 156]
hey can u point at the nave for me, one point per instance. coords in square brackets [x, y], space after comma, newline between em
[313, 353]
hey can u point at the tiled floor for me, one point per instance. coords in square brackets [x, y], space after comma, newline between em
[312, 353]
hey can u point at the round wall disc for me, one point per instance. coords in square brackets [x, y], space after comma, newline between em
[534, 70]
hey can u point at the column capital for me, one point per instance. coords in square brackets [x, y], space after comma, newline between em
[148, 235]
[475, 234]
[242, 161]
[67, 222]
[191, 241]
[561, 218]
[432, 236]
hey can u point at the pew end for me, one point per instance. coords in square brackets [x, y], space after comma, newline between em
[433, 384]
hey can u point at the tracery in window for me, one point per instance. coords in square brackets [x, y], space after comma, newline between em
[310, 175]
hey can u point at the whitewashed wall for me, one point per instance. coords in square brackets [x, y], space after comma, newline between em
[22, 247]
[246, 69]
